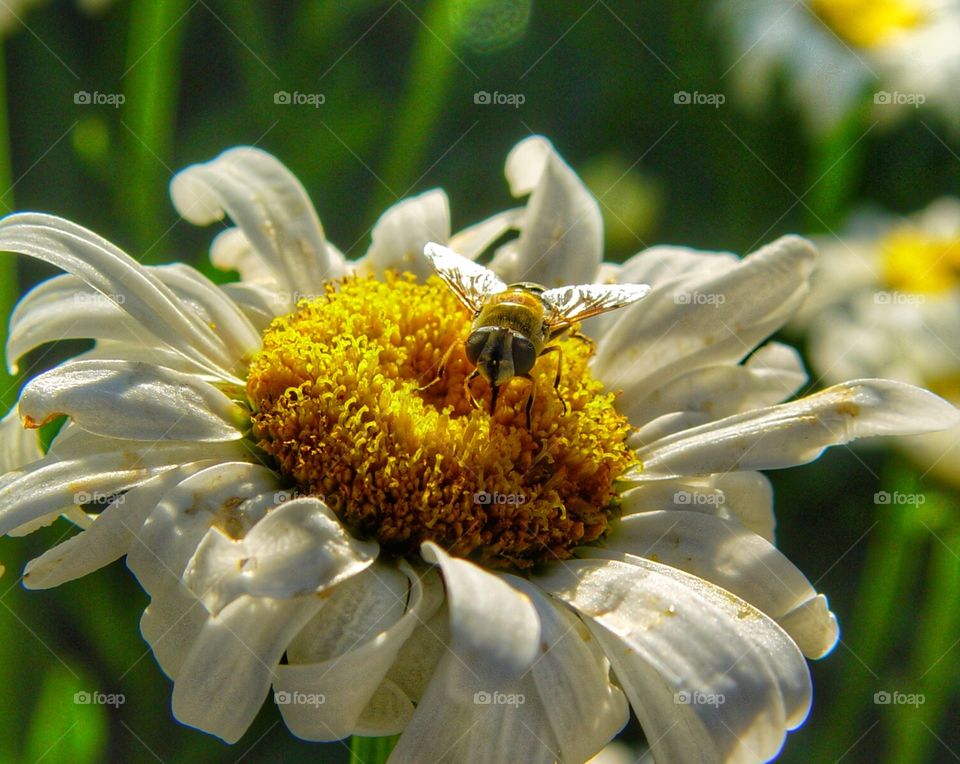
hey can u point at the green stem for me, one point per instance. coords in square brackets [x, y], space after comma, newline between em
[149, 112]
[8, 263]
[889, 570]
[930, 667]
[835, 164]
[371, 750]
[431, 72]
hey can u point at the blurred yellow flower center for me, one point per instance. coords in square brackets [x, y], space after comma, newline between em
[337, 400]
[868, 23]
[917, 262]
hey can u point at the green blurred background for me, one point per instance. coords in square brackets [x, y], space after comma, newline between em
[398, 81]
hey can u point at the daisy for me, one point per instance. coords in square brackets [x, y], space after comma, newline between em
[311, 522]
[887, 300]
[836, 54]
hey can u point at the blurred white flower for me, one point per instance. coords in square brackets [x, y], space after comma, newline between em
[886, 300]
[14, 12]
[300, 511]
[835, 55]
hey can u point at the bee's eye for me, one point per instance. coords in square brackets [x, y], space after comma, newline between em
[474, 345]
[524, 354]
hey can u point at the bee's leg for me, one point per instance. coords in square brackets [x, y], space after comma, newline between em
[494, 393]
[556, 380]
[441, 369]
[466, 386]
[530, 396]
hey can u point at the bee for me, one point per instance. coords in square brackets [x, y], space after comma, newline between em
[514, 324]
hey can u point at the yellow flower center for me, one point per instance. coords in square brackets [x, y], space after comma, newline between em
[917, 262]
[337, 399]
[869, 23]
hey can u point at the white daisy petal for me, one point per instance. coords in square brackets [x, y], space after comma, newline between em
[231, 251]
[572, 679]
[495, 639]
[230, 495]
[457, 720]
[770, 375]
[420, 655]
[259, 304]
[121, 399]
[51, 485]
[227, 674]
[561, 238]
[746, 497]
[63, 307]
[109, 537]
[667, 264]
[342, 656]
[475, 239]
[214, 308]
[718, 317]
[270, 206]
[494, 628]
[659, 266]
[299, 548]
[797, 432]
[710, 677]
[121, 279]
[727, 554]
[398, 238]
[18, 445]
[170, 624]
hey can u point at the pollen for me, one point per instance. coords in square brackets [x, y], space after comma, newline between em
[342, 400]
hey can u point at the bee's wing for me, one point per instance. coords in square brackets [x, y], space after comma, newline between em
[470, 281]
[569, 304]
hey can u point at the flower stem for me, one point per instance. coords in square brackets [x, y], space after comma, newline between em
[149, 112]
[836, 163]
[8, 263]
[431, 72]
[932, 674]
[894, 553]
[371, 750]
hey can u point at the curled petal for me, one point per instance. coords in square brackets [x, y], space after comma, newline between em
[796, 432]
[134, 401]
[271, 208]
[561, 237]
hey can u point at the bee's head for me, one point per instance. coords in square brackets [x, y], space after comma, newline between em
[500, 354]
